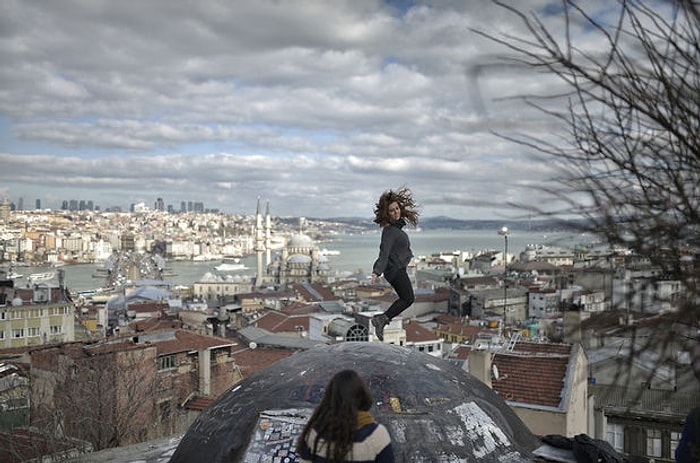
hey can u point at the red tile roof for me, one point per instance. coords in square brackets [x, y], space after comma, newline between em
[299, 308]
[311, 292]
[198, 403]
[252, 360]
[187, 340]
[533, 373]
[148, 306]
[461, 352]
[415, 332]
[278, 322]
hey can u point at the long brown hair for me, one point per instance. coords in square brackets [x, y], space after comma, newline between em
[404, 198]
[335, 418]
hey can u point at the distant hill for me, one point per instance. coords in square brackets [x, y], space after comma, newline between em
[442, 223]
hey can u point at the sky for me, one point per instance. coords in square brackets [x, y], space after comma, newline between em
[315, 106]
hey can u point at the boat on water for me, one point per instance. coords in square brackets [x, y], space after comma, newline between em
[329, 252]
[206, 257]
[230, 265]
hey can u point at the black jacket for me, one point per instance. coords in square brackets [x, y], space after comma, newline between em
[394, 250]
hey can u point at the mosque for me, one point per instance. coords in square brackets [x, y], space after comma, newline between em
[299, 261]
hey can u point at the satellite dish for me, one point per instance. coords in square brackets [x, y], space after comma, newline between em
[495, 372]
[252, 345]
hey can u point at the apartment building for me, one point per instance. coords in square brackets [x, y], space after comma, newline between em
[129, 389]
[36, 315]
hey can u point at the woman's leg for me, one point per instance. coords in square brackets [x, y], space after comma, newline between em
[404, 289]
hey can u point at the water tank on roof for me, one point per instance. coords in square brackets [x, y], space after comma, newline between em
[17, 301]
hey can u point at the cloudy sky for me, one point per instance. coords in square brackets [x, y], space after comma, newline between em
[318, 106]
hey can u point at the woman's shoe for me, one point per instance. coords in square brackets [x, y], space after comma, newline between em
[379, 322]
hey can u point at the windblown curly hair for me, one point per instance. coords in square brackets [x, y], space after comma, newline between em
[408, 206]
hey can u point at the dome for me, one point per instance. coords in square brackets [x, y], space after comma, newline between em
[299, 259]
[434, 410]
[300, 241]
[16, 302]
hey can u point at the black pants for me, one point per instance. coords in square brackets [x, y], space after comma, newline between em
[398, 279]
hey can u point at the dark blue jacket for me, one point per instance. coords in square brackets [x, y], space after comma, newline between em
[394, 250]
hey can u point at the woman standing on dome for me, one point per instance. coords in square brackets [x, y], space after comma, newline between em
[342, 429]
[391, 212]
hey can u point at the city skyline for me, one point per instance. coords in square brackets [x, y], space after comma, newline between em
[322, 111]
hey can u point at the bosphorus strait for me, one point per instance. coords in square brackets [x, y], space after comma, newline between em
[355, 254]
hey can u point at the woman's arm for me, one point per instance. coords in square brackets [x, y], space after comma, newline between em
[385, 246]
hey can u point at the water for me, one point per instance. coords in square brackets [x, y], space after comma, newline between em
[357, 252]
[360, 251]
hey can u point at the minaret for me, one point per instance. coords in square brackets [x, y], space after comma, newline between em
[268, 225]
[259, 245]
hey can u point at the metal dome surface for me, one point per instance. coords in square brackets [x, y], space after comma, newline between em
[434, 411]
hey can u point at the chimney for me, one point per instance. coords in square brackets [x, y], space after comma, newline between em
[572, 325]
[204, 371]
[480, 362]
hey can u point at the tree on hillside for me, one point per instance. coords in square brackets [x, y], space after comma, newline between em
[627, 152]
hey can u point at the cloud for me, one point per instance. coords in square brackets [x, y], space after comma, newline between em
[318, 106]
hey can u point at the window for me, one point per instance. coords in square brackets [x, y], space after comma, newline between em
[675, 438]
[654, 443]
[615, 435]
[33, 332]
[2, 335]
[18, 333]
[166, 361]
[56, 329]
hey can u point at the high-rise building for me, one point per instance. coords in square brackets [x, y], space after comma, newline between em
[160, 205]
[20, 204]
[183, 206]
[37, 204]
[5, 209]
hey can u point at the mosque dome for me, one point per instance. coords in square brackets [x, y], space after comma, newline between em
[299, 259]
[434, 410]
[300, 241]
